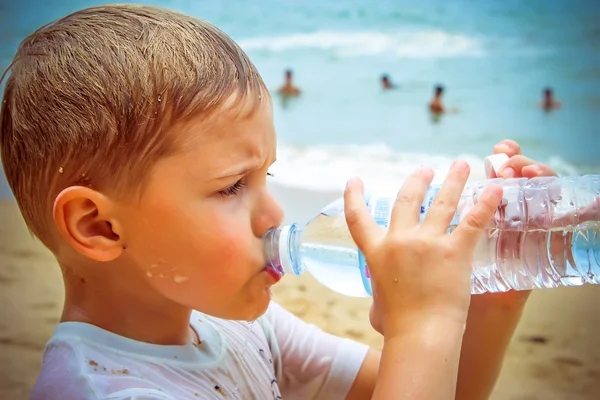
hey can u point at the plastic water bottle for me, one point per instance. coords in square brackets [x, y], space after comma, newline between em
[546, 233]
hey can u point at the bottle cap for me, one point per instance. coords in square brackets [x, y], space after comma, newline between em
[494, 163]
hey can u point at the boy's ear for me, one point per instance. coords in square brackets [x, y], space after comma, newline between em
[84, 217]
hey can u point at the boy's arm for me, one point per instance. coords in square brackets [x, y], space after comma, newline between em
[364, 384]
[410, 361]
[492, 320]
[490, 325]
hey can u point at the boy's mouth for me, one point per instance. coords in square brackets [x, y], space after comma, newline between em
[273, 273]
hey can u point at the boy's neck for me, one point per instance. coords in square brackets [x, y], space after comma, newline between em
[116, 305]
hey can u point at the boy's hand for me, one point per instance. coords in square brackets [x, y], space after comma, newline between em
[493, 317]
[419, 272]
[519, 166]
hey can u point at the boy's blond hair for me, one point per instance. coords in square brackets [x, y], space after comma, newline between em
[90, 98]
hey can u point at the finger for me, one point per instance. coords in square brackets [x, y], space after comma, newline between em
[508, 147]
[444, 205]
[513, 168]
[361, 225]
[405, 213]
[531, 171]
[591, 212]
[468, 231]
[587, 213]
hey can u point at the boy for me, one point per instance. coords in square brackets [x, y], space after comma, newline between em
[137, 141]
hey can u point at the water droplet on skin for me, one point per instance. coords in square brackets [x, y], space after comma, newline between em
[180, 279]
[149, 274]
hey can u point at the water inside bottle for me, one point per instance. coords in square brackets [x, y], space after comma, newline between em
[330, 255]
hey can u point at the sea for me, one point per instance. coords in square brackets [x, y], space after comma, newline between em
[494, 58]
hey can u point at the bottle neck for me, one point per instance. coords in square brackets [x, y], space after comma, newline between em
[281, 249]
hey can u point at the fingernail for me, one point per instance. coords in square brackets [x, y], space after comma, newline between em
[460, 165]
[502, 148]
[507, 173]
[493, 191]
[496, 190]
[425, 171]
[536, 169]
[357, 182]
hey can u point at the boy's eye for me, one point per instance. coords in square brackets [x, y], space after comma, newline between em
[236, 187]
[233, 189]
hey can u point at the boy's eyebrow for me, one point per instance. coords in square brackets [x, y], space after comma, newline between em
[236, 172]
[242, 170]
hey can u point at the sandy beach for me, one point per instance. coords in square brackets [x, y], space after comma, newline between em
[553, 356]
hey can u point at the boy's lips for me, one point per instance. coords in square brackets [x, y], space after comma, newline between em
[273, 273]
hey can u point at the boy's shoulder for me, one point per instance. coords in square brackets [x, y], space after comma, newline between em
[82, 362]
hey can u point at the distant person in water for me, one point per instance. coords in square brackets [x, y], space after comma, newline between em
[436, 106]
[386, 83]
[288, 88]
[549, 102]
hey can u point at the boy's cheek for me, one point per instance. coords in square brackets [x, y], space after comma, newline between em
[226, 250]
[171, 242]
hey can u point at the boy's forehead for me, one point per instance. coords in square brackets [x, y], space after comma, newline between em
[230, 138]
[226, 121]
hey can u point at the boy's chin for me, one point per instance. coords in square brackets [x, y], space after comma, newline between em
[255, 310]
[258, 308]
[246, 311]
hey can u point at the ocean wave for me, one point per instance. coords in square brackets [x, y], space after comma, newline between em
[328, 167]
[419, 44]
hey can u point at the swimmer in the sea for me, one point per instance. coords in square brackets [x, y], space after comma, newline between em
[436, 105]
[288, 88]
[549, 103]
[386, 83]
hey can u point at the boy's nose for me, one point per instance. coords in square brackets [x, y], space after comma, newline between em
[269, 214]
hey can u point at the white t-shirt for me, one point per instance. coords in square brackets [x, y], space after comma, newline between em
[278, 356]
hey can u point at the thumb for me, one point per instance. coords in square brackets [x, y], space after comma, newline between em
[362, 227]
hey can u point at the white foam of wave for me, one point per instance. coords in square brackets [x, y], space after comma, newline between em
[328, 168]
[420, 44]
